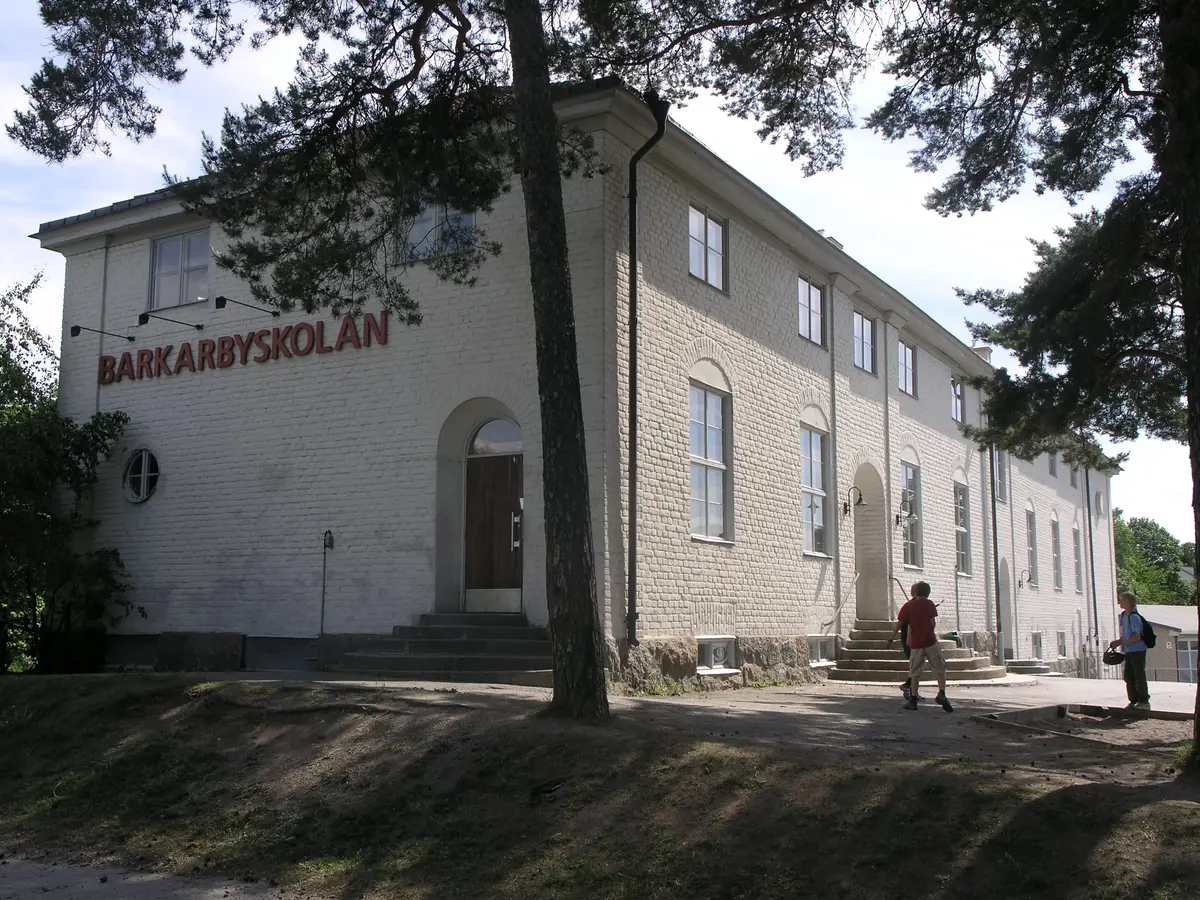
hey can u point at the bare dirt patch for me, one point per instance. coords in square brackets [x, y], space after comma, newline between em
[341, 792]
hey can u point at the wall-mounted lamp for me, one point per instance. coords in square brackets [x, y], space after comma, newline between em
[220, 303]
[859, 501]
[144, 318]
[1023, 578]
[328, 540]
[906, 512]
[75, 329]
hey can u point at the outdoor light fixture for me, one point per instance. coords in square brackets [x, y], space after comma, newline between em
[1024, 577]
[222, 300]
[906, 512]
[328, 540]
[144, 318]
[75, 329]
[858, 502]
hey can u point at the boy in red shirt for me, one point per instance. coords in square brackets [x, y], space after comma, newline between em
[919, 614]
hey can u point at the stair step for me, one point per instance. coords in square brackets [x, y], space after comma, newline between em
[526, 677]
[900, 664]
[1028, 669]
[457, 646]
[950, 652]
[471, 632]
[875, 624]
[429, 662]
[511, 619]
[881, 644]
[983, 674]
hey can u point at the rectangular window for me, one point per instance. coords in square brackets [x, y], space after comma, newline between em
[864, 342]
[1053, 464]
[1187, 660]
[706, 246]
[1037, 645]
[707, 419]
[1056, 553]
[907, 356]
[812, 322]
[910, 509]
[180, 270]
[1031, 545]
[1062, 645]
[958, 409]
[812, 489]
[1077, 541]
[439, 230]
[1074, 477]
[962, 530]
[1001, 476]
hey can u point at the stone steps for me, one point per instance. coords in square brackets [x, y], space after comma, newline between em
[899, 664]
[1027, 667]
[890, 677]
[882, 645]
[950, 652]
[866, 656]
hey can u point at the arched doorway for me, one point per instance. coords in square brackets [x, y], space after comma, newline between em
[494, 501]
[870, 544]
[1006, 616]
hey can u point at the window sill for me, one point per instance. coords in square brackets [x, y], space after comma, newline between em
[812, 554]
[704, 539]
[809, 340]
[157, 309]
[909, 568]
[822, 664]
[726, 671]
[964, 575]
[866, 371]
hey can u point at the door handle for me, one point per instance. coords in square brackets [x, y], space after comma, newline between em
[514, 525]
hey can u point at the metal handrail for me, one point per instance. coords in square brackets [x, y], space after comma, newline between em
[837, 611]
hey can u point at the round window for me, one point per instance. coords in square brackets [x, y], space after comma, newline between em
[141, 476]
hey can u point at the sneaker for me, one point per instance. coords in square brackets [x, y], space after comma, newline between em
[912, 703]
[1133, 705]
[941, 698]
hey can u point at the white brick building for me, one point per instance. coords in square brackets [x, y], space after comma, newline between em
[792, 347]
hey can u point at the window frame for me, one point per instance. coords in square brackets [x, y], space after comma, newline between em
[1056, 552]
[910, 490]
[1037, 645]
[710, 465]
[962, 529]
[151, 301]
[436, 235]
[1062, 644]
[709, 221]
[1053, 464]
[149, 481]
[1001, 485]
[1074, 476]
[906, 354]
[810, 493]
[1031, 545]
[858, 336]
[958, 400]
[804, 312]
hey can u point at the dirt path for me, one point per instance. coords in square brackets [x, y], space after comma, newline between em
[24, 879]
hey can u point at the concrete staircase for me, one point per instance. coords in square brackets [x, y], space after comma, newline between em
[485, 648]
[866, 657]
[1032, 666]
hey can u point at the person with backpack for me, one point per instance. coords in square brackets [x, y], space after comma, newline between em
[920, 615]
[1137, 636]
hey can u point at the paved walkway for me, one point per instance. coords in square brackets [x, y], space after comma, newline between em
[25, 880]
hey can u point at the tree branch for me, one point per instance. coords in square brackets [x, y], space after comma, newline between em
[1130, 92]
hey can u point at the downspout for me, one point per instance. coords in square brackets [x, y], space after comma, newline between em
[103, 305]
[1087, 486]
[887, 477]
[996, 554]
[828, 319]
[659, 109]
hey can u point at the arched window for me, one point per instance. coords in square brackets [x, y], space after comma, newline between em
[499, 437]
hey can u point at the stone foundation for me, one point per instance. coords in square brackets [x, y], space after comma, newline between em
[668, 665]
[182, 651]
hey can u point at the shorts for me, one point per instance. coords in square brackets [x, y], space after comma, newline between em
[935, 657]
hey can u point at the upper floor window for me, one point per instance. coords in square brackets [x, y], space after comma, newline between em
[1078, 547]
[907, 356]
[1031, 545]
[910, 510]
[439, 230]
[812, 489]
[1002, 476]
[864, 342]
[180, 270]
[812, 312]
[708, 414]
[958, 407]
[1056, 553]
[1074, 477]
[962, 529]
[706, 246]
[1053, 464]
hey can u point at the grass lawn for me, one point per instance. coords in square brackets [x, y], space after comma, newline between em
[347, 793]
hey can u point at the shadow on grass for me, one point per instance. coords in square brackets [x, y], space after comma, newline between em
[353, 793]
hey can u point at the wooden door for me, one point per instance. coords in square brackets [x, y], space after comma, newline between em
[493, 540]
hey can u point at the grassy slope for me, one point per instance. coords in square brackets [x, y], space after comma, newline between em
[353, 793]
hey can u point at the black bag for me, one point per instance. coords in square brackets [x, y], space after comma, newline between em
[1149, 638]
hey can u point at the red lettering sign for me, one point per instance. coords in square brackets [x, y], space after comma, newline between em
[301, 339]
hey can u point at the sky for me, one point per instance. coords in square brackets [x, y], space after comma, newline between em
[873, 205]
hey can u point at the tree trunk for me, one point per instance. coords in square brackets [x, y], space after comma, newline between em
[575, 636]
[1179, 25]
